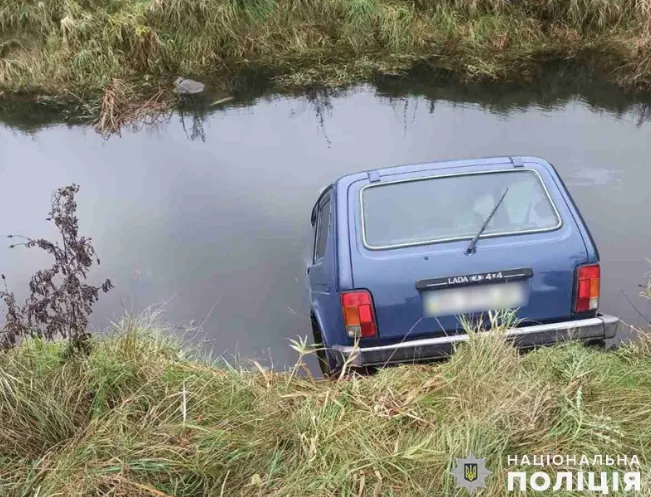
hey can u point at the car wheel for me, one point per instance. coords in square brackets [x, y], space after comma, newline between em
[325, 361]
[596, 343]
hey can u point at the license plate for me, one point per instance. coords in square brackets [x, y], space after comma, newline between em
[455, 301]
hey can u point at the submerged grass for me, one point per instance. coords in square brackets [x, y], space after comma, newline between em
[140, 417]
[81, 47]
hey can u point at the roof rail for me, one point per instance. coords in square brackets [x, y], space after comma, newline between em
[374, 176]
[516, 161]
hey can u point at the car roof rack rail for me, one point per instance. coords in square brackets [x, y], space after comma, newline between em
[374, 176]
[516, 161]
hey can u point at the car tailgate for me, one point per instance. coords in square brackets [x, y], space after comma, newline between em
[544, 263]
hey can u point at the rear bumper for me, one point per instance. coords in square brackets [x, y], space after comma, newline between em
[600, 327]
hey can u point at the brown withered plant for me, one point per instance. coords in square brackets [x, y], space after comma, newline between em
[60, 300]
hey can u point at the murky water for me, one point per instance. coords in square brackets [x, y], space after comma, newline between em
[210, 220]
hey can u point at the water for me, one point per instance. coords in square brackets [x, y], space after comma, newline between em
[211, 222]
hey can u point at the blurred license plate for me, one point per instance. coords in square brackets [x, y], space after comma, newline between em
[454, 301]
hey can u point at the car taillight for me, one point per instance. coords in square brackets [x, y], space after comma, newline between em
[359, 315]
[587, 288]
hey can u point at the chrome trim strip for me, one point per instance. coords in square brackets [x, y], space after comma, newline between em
[513, 332]
[467, 237]
[435, 284]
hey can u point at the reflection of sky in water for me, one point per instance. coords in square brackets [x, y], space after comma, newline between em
[219, 229]
[587, 176]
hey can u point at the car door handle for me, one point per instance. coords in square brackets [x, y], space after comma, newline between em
[308, 270]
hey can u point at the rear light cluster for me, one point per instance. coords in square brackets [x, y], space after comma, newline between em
[359, 315]
[587, 288]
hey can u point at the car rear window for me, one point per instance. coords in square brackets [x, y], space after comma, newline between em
[445, 208]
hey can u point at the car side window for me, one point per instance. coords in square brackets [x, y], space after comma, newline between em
[321, 234]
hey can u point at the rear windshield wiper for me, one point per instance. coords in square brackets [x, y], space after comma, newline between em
[471, 246]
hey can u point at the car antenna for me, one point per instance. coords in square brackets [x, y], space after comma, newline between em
[471, 246]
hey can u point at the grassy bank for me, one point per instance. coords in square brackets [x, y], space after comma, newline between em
[138, 417]
[76, 49]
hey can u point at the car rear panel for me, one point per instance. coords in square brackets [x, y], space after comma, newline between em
[548, 260]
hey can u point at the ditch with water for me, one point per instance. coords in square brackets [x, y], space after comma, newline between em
[205, 215]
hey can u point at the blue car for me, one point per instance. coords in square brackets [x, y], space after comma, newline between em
[400, 253]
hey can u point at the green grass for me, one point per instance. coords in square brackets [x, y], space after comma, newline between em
[76, 48]
[141, 417]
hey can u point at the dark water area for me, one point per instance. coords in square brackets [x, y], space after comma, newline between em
[205, 215]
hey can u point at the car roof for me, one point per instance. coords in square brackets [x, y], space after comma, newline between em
[503, 161]
[447, 164]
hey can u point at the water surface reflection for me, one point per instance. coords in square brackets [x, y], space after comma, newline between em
[209, 213]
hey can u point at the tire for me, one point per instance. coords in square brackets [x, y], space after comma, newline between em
[328, 370]
[596, 343]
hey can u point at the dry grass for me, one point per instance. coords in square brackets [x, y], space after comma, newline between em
[121, 106]
[141, 417]
[83, 47]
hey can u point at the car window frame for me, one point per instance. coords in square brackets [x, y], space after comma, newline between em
[318, 225]
[366, 245]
